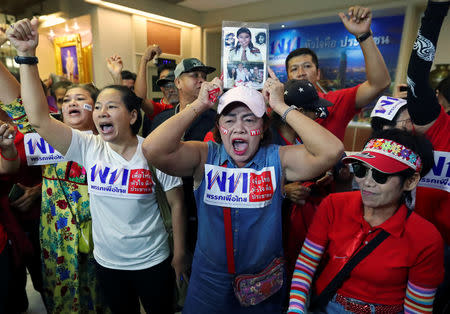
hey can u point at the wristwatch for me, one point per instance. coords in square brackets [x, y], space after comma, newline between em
[26, 60]
[364, 36]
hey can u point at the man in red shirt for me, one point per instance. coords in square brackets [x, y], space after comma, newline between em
[303, 64]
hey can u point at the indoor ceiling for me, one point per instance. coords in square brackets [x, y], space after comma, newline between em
[17, 7]
[210, 5]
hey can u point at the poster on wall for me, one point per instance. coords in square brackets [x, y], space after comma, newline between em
[69, 58]
[244, 54]
[341, 61]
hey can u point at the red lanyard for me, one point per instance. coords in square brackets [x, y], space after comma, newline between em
[228, 236]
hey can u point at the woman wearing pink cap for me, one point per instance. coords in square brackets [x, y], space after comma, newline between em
[238, 190]
[380, 257]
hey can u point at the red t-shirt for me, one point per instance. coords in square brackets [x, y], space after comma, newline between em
[413, 251]
[159, 107]
[342, 112]
[434, 203]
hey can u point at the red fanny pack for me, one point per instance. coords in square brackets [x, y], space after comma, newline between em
[251, 289]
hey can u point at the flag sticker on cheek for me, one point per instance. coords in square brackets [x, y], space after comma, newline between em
[255, 132]
[223, 130]
[87, 107]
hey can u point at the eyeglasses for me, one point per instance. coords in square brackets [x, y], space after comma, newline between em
[379, 177]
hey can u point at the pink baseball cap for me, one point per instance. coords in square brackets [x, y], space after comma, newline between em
[250, 97]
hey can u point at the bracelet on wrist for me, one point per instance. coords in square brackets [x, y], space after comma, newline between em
[283, 117]
[9, 159]
[26, 60]
[362, 37]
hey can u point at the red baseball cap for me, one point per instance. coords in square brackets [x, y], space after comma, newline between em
[386, 156]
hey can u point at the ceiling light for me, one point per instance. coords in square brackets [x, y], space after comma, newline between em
[51, 20]
[125, 9]
[283, 26]
[75, 26]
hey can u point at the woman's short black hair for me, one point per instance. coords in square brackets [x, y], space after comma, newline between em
[60, 84]
[267, 135]
[419, 144]
[132, 102]
[90, 88]
[378, 123]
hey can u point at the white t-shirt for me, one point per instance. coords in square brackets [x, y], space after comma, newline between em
[127, 227]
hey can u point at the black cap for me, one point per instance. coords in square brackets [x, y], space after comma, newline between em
[303, 94]
[168, 79]
[191, 65]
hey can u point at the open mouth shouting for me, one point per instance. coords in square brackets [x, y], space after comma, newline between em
[74, 111]
[106, 128]
[240, 146]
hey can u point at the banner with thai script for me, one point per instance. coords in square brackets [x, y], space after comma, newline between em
[341, 61]
[239, 187]
[120, 182]
[439, 175]
[39, 152]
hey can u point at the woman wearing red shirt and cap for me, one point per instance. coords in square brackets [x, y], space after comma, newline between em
[403, 271]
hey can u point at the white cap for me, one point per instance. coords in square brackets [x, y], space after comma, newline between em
[253, 99]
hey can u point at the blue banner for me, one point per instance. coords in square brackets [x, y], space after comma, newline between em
[341, 61]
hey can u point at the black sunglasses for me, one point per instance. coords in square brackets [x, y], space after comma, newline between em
[360, 171]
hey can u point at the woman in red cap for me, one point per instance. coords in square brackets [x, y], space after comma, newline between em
[402, 272]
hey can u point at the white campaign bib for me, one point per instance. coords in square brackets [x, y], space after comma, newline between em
[439, 175]
[122, 182]
[39, 152]
[239, 187]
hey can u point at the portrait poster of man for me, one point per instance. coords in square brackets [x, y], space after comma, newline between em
[244, 54]
[70, 63]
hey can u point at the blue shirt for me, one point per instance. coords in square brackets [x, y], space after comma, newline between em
[257, 236]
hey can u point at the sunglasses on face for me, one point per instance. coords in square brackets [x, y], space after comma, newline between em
[361, 170]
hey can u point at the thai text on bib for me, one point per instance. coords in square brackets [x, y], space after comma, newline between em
[239, 187]
[39, 152]
[439, 175]
[122, 182]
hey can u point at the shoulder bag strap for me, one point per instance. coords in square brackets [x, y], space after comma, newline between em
[331, 289]
[163, 203]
